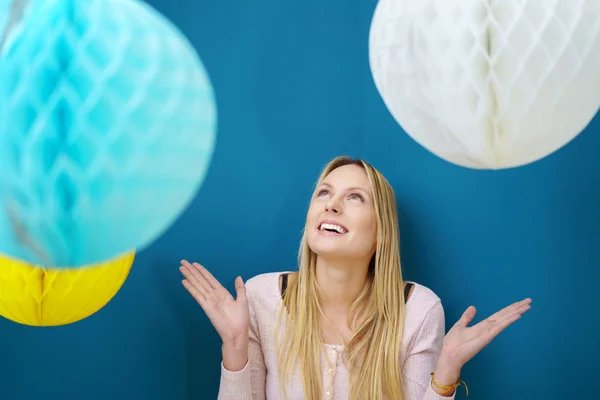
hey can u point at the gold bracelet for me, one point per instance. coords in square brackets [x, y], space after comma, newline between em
[448, 389]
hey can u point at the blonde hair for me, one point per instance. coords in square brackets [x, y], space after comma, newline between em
[377, 336]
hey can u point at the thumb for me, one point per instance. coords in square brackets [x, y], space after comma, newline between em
[467, 316]
[240, 289]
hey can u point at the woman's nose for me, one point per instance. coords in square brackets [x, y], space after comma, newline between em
[332, 206]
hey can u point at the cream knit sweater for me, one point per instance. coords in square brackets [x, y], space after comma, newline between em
[424, 330]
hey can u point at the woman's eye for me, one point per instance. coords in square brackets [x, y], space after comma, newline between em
[322, 192]
[357, 197]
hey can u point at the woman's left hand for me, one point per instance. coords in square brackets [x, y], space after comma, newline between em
[463, 342]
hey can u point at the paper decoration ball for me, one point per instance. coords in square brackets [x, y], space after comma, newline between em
[38, 296]
[107, 130]
[488, 85]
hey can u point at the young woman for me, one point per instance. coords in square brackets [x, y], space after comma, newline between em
[345, 325]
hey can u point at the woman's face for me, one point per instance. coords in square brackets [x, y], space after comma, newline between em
[341, 221]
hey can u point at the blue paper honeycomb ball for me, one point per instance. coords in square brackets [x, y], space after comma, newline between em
[107, 129]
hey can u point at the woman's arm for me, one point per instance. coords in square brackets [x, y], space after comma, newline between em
[423, 358]
[446, 355]
[243, 371]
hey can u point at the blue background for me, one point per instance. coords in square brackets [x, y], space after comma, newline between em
[293, 90]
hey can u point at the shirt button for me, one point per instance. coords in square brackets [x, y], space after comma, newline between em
[330, 371]
[328, 392]
[334, 351]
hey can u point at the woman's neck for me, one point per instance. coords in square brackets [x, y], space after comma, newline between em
[339, 282]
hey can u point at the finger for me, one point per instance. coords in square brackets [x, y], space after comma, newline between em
[240, 289]
[196, 279]
[193, 269]
[516, 307]
[190, 279]
[490, 328]
[495, 328]
[507, 311]
[196, 294]
[500, 316]
[516, 314]
[467, 316]
[208, 276]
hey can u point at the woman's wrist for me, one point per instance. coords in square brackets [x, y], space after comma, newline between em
[445, 375]
[235, 355]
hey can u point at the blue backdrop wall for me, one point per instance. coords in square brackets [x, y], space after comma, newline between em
[294, 89]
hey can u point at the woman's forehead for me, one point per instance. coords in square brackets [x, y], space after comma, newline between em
[348, 177]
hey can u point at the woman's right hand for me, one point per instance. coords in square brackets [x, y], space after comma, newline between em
[229, 316]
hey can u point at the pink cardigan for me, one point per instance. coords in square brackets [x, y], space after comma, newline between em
[424, 330]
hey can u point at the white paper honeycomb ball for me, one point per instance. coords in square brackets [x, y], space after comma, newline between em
[488, 85]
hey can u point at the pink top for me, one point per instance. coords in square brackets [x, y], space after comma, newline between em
[424, 330]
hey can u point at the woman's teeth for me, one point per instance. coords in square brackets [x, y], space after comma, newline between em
[332, 228]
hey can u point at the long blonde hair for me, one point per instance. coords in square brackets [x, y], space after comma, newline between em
[373, 352]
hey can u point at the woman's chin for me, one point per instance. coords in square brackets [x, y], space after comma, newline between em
[332, 251]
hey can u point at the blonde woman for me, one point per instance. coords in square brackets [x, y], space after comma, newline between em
[345, 325]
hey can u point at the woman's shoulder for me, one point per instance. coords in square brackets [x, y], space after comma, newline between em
[423, 306]
[266, 287]
[421, 296]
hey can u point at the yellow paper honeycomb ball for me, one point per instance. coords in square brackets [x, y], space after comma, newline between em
[38, 296]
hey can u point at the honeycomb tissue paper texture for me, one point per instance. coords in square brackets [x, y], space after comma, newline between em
[107, 129]
[488, 84]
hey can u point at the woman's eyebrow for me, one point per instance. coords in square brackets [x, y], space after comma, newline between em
[347, 189]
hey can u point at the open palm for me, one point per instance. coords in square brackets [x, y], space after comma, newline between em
[462, 342]
[229, 316]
